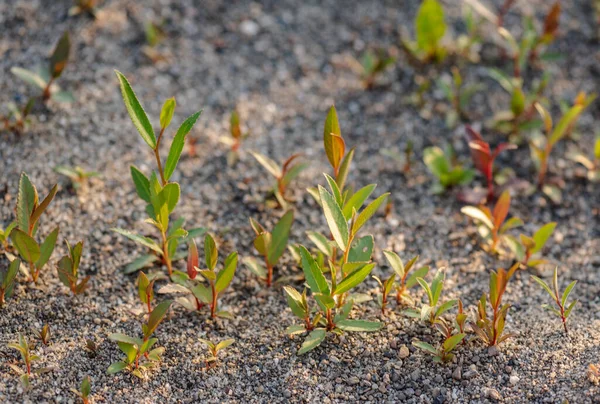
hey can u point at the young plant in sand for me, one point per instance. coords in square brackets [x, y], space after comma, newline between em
[28, 357]
[7, 280]
[433, 310]
[372, 65]
[85, 389]
[483, 157]
[29, 211]
[443, 166]
[145, 290]
[386, 288]
[284, 174]
[136, 348]
[91, 347]
[270, 246]
[234, 140]
[213, 350]
[542, 146]
[527, 249]
[490, 329]
[43, 335]
[78, 176]
[198, 294]
[564, 309]
[453, 335]
[68, 269]
[83, 7]
[406, 278]
[333, 304]
[430, 28]
[155, 34]
[492, 225]
[458, 96]
[158, 191]
[592, 165]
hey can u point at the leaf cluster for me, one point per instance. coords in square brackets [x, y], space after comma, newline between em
[430, 28]
[85, 389]
[435, 308]
[68, 269]
[564, 309]
[406, 274]
[214, 349]
[527, 249]
[447, 171]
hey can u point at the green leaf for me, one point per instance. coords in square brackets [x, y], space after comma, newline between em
[224, 344]
[344, 167]
[359, 325]
[143, 283]
[116, 367]
[418, 273]
[46, 248]
[43, 206]
[313, 340]
[65, 97]
[321, 242]
[157, 315]
[86, 387]
[225, 276]
[26, 245]
[295, 302]
[313, 274]
[453, 341]
[425, 347]
[361, 249]
[368, 212]
[477, 214]
[353, 279]
[357, 200]
[560, 130]
[430, 25]
[211, 254]
[335, 190]
[145, 241]
[178, 143]
[542, 235]
[568, 311]
[117, 337]
[170, 193]
[544, 285]
[345, 312]
[27, 199]
[295, 329]
[567, 292]
[142, 183]
[335, 219]
[332, 126]
[324, 301]
[29, 77]
[270, 165]
[136, 112]
[140, 262]
[279, 237]
[395, 262]
[293, 172]
[60, 56]
[11, 274]
[167, 111]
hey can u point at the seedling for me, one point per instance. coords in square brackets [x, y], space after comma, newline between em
[564, 310]
[493, 225]
[234, 141]
[145, 290]
[44, 334]
[527, 249]
[78, 176]
[434, 309]
[29, 211]
[491, 329]
[430, 28]
[161, 195]
[592, 165]
[7, 280]
[284, 174]
[443, 353]
[155, 34]
[83, 6]
[447, 171]
[372, 65]
[28, 358]
[458, 95]
[386, 287]
[91, 347]
[85, 390]
[270, 246]
[68, 269]
[541, 147]
[214, 349]
[218, 281]
[405, 282]
[135, 348]
[483, 157]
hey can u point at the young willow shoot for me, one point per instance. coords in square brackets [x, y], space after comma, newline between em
[7, 280]
[493, 226]
[44, 334]
[29, 211]
[490, 328]
[386, 288]
[270, 246]
[483, 157]
[68, 269]
[198, 293]
[373, 64]
[527, 249]
[448, 173]
[78, 176]
[284, 174]
[234, 140]
[213, 349]
[136, 348]
[433, 310]
[28, 358]
[564, 309]
[158, 191]
[452, 337]
[430, 29]
[407, 277]
[85, 389]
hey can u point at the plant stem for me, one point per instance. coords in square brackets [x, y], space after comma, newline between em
[269, 273]
[166, 258]
[157, 155]
[46, 93]
[213, 305]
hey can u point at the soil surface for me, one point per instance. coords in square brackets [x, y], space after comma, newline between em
[281, 63]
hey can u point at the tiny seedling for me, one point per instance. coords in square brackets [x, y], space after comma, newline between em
[542, 146]
[564, 309]
[443, 353]
[458, 95]
[68, 269]
[28, 357]
[448, 173]
[270, 246]
[372, 65]
[483, 157]
[214, 349]
[592, 165]
[154, 34]
[161, 195]
[493, 225]
[526, 248]
[29, 211]
[406, 278]
[430, 28]
[234, 140]
[136, 348]
[218, 281]
[83, 7]
[284, 174]
[85, 389]
[91, 347]
[491, 329]
[386, 287]
[78, 176]
[433, 310]
[7, 280]
[44, 334]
